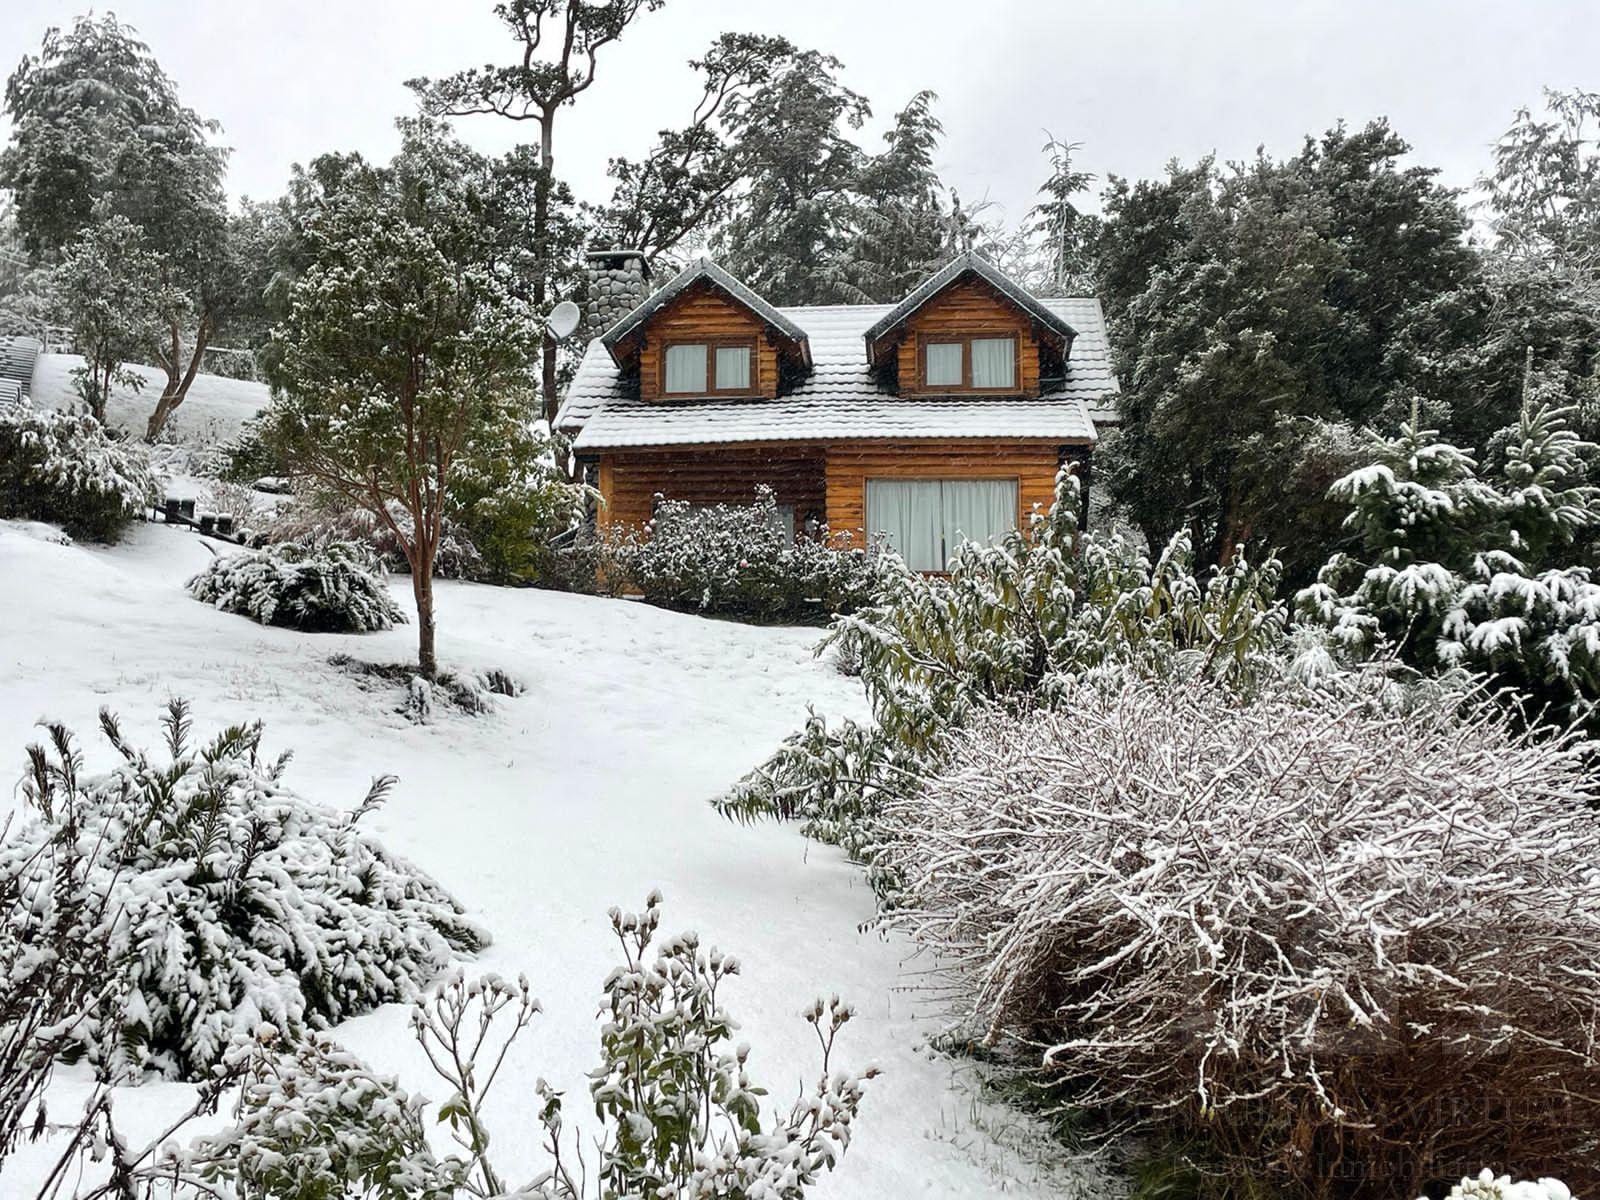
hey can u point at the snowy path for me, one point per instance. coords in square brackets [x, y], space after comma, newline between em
[584, 793]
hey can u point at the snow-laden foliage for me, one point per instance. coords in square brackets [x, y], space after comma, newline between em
[1461, 567]
[1486, 1185]
[222, 899]
[332, 589]
[313, 521]
[315, 1122]
[740, 560]
[65, 468]
[679, 1114]
[1331, 934]
[1011, 625]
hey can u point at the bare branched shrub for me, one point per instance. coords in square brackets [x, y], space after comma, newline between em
[1351, 946]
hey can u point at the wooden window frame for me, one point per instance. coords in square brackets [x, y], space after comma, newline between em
[965, 341]
[712, 345]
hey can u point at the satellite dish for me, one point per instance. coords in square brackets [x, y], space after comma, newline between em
[563, 319]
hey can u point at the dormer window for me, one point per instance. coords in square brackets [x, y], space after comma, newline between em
[708, 368]
[978, 364]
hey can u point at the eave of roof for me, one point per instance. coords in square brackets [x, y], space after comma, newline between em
[960, 265]
[707, 271]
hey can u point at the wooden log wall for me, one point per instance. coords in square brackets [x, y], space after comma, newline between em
[969, 309]
[630, 479]
[1032, 464]
[704, 314]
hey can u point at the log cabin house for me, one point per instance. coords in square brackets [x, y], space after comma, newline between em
[942, 417]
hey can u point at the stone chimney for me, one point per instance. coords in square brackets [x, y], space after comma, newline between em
[616, 282]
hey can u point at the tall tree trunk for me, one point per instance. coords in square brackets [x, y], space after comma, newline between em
[422, 592]
[177, 387]
[541, 237]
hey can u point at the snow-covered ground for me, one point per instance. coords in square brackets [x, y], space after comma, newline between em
[212, 411]
[583, 793]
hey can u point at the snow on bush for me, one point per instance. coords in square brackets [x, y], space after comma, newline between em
[1489, 1186]
[1339, 929]
[740, 560]
[313, 1119]
[65, 468]
[222, 900]
[678, 1113]
[312, 523]
[332, 589]
[1009, 625]
[1460, 567]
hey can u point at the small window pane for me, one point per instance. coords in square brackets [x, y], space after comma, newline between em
[686, 368]
[994, 362]
[733, 367]
[944, 365]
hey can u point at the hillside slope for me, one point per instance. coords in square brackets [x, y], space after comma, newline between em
[213, 410]
[583, 793]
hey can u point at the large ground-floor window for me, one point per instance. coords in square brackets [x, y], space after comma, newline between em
[926, 519]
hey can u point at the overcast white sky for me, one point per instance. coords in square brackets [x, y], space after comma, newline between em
[1136, 81]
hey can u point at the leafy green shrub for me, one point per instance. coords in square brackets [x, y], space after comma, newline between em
[65, 468]
[313, 1122]
[311, 522]
[251, 454]
[739, 560]
[1009, 626]
[512, 505]
[222, 899]
[333, 589]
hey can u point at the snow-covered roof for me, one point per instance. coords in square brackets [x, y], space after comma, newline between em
[704, 270]
[953, 270]
[841, 398]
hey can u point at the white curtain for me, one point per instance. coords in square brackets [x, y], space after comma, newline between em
[686, 368]
[908, 511]
[926, 519]
[994, 362]
[943, 368]
[733, 367]
[977, 510]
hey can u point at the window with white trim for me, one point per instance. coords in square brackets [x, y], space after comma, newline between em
[926, 519]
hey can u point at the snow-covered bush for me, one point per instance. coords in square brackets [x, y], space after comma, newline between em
[740, 560]
[1333, 935]
[222, 900]
[1010, 625]
[332, 589]
[1486, 1185]
[250, 454]
[679, 1114]
[65, 468]
[312, 522]
[316, 1123]
[1457, 567]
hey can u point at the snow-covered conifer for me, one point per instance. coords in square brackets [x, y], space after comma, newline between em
[333, 588]
[222, 899]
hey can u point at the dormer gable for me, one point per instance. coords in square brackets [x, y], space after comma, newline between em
[706, 335]
[968, 329]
